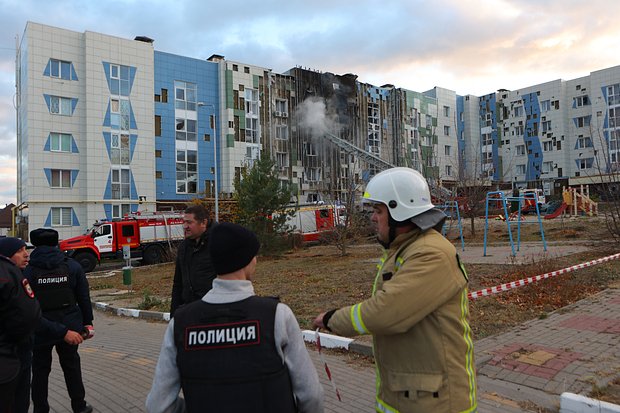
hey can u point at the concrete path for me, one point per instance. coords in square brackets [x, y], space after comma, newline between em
[522, 370]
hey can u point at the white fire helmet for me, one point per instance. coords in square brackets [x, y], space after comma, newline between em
[403, 190]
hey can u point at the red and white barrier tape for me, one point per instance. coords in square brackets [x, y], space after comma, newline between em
[329, 373]
[525, 281]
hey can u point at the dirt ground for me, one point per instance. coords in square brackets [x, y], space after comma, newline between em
[317, 278]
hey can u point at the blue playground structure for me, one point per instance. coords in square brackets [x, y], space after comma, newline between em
[451, 209]
[500, 197]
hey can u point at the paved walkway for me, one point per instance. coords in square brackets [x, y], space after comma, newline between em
[525, 369]
[522, 370]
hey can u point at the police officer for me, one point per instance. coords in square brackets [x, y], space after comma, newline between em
[15, 250]
[62, 290]
[233, 351]
[19, 315]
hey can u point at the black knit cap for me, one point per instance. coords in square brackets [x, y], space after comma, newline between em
[10, 245]
[231, 247]
[44, 236]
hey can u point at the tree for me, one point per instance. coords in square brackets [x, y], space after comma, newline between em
[263, 204]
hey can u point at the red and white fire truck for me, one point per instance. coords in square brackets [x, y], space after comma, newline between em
[150, 236]
[312, 220]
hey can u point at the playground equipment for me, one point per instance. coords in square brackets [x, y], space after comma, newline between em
[575, 202]
[579, 202]
[451, 208]
[525, 198]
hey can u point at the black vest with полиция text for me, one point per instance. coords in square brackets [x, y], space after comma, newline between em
[52, 287]
[227, 358]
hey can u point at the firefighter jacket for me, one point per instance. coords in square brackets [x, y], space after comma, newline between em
[19, 315]
[194, 272]
[288, 342]
[225, 350]
[64, 294]
[418, 316]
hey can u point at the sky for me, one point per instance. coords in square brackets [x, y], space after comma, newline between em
[471, 47]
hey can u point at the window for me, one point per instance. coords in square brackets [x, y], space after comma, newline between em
[546, 126]
[447, 150]
[60, 142]
[449, 170]
[120, 184]
[251, 101]
[251, 130]
[61, 217]
[282, 159]
[246, 69]
[61, 69]
[184, 95]
[310, 149]
[158, 153]
[186, 130]
[585, 163]
[119, 114]
[584, 121]
[119, 151]
[60, 178]
[580, 101]
[313, 174]
[429, 121]
[159, 175]
[547, 167]
[520, 150]
[518, 111]
[187, 171]
[547, 146]
[521, 169]
[487, 139]
[583, 142]
[614, 117]
[281, 108]
[60, 106]
[119, 80]
[545, 106]
[446, 111]
[446, 130]
[281, 132]
[613, 94]
[519, 130]
[119, 211]
[157, 125]
[164, 96]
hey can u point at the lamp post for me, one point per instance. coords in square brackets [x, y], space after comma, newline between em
[215, 169]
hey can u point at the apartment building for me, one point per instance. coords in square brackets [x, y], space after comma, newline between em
[108, 126]
[85, 128]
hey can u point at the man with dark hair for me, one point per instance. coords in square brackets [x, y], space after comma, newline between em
[193, 273]
[62, 291]
[233, 351]
[19, 315]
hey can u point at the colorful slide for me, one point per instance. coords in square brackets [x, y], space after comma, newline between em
[557, 212]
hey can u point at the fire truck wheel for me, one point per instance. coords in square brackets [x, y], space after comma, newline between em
[87, 260]
[153, 255]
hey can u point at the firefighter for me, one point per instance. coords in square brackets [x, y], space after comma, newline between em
[193, 273]
[418, 310]
[19, 315]
[233, 351]
[62, 290]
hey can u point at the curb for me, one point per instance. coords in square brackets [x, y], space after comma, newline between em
[327, 340]
[575, 403]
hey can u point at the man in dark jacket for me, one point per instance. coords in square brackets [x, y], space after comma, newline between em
[62, 291]
[19, 315]
[194, 273]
